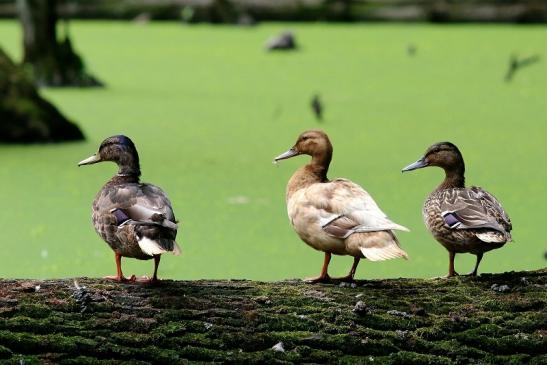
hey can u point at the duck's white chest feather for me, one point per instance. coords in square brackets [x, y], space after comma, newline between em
[307, 218]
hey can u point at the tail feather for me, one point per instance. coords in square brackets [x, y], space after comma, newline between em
[376, 246]
[383, 253]
[493, 236]
[150, 247]
[157, 247]
[176, 249]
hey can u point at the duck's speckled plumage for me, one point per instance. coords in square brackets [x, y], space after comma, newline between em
[336, 217]
[463, 220]
[135, 200]
[484, 225]
[135, 219]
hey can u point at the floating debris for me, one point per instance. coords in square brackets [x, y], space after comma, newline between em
[317, 107]
[516, 64]
[284, 41]
[411, 50]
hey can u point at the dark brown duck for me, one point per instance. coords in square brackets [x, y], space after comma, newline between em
[463, 220]
[134, 218]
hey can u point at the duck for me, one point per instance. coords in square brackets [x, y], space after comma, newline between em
[463, 220]
[135, 219]
[335, 216]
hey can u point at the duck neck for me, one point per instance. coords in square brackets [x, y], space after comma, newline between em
[455, 178]
[129, 166]
[313, 173]
[124, 179]
[129, 170]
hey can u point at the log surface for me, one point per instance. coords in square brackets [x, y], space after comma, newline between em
[492, 319]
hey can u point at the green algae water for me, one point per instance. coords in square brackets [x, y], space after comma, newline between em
[208, 110]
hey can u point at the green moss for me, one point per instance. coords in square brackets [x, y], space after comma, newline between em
[411, 358]
[5, 353]
[225, 322]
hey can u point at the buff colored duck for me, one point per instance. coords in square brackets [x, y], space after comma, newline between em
[463, 220]
[335, 216]
[134, 218]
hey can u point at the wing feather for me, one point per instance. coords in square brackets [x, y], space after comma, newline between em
[475, 208]
[146, 208]
[346, 208]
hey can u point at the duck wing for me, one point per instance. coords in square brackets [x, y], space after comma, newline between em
[143, 210]
[346, 208]
[475, 208]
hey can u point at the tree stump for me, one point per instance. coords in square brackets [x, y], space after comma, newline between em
[53, 62]
[25, 117]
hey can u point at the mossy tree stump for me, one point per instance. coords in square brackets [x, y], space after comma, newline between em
[493, 319]
[52, 62]
[25, 117]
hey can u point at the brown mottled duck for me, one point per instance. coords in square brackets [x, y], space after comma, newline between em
[463, 220]
[135, 219]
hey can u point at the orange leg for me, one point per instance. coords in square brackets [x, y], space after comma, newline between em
[351, 274]
[324, 276]
[119, 274]
[451, 271]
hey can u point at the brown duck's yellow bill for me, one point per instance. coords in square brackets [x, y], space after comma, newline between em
[285, 155]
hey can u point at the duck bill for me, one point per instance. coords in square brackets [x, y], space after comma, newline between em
[421, 163]
[90, 160]
[285, 155]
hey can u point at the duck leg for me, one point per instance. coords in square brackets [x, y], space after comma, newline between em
[349, 277]
[324, 276]
[476, 269]
[156, 264]
[451, 271]
[119, 274]
[154, 279]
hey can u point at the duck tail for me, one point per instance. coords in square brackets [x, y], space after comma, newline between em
[383, 253]
[151, 247]
[176, 249]
[377, 246]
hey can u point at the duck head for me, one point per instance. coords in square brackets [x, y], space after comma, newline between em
[314, 143]
[445, 155]
[119, 149]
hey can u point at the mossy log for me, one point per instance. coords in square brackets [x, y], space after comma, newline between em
[25, 117]
[492, 319]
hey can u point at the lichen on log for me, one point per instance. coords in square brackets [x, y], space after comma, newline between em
[492, 319]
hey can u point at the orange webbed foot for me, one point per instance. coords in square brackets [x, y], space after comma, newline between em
[324, 279]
